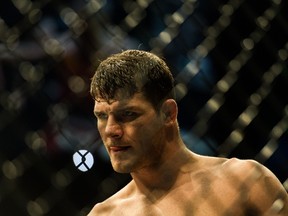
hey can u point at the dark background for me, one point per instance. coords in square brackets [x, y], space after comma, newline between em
[229, 59]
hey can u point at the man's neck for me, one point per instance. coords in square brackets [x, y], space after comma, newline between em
[162, 177]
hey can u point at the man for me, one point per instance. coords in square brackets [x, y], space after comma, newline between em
[137, 120]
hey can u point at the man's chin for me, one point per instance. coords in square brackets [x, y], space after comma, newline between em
[121, 169]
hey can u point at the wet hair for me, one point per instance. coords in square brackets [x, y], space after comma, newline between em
[133, 71]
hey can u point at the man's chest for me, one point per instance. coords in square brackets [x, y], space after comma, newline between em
[185, 201]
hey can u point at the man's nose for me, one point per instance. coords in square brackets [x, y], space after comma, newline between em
[113, 128]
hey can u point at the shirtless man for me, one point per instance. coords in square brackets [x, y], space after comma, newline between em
[137, 120]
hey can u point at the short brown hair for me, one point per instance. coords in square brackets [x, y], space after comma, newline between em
[133, 71]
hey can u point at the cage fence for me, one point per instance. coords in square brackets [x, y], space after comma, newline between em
[229, 59]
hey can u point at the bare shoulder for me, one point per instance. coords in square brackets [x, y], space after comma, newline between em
[263, 190]
[109, 206]
[249, 170]
[105, 207]
[100, 209]
[244, 168]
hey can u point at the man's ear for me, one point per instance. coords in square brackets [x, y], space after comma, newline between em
[170, 110]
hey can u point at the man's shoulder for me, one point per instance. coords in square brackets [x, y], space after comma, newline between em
[238, 171]
[260, 188]
[243, 168]
[110, 204]
[235, 164]
[263, 189]
[105, 207]
[100, 209]
[228, 164]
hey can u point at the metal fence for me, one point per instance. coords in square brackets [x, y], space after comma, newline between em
[229, 59]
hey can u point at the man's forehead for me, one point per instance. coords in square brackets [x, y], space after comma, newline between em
[110, 103]
[119, 102]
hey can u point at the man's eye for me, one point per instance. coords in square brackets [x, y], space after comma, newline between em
[126, 116]
[129, 114]
[101, 116]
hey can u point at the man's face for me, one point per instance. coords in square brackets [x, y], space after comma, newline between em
[132, 132]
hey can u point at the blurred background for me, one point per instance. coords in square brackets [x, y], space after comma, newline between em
[229, 59]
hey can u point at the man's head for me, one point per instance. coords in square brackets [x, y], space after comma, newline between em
[130, 72]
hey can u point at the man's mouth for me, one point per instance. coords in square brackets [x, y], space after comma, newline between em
[118, 148]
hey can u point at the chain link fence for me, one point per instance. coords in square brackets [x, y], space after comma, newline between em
[229, 58]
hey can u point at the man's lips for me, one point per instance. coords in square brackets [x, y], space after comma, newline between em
[118, 148]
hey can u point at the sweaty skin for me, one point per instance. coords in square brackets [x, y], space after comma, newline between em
[170, 180]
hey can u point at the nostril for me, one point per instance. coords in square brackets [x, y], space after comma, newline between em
[116, 135]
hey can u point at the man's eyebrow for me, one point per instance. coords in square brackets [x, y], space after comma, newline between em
[119, 109]
[128, 107]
